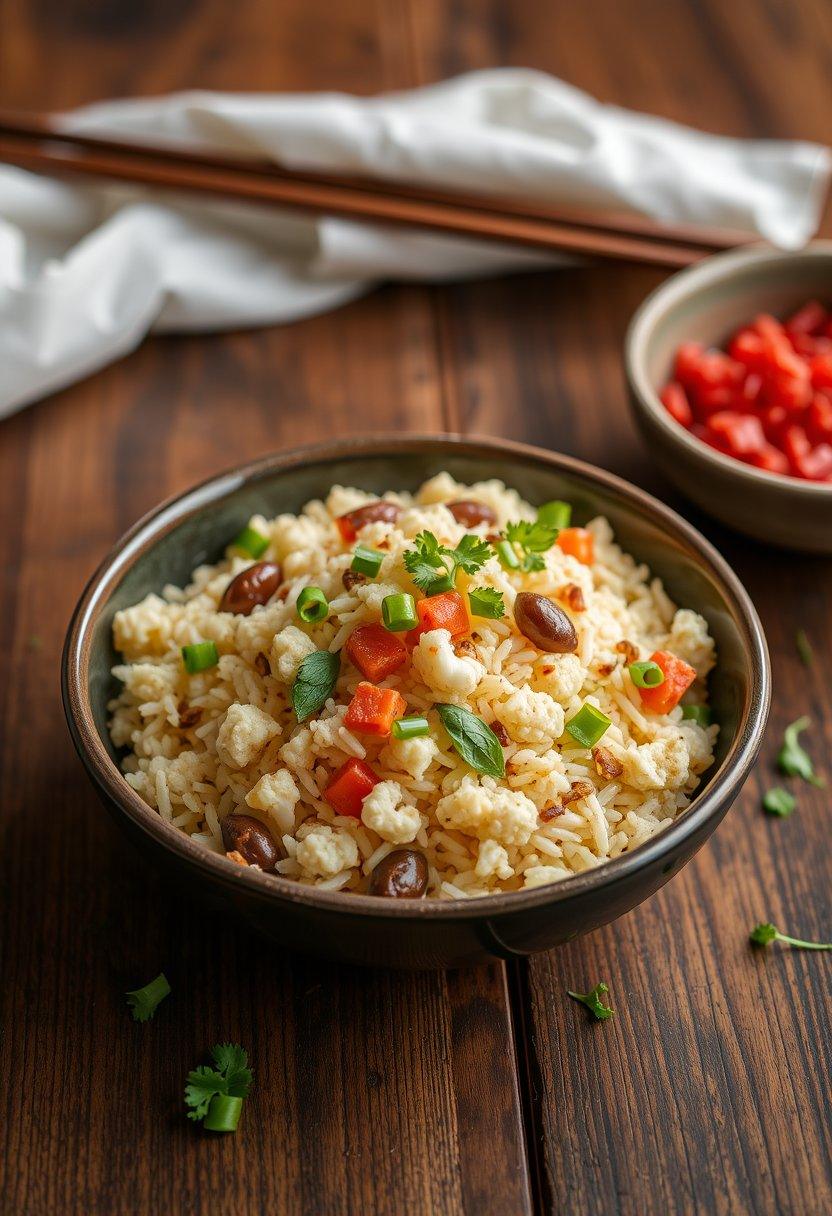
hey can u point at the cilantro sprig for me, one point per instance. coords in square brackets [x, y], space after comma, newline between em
[316, 678]
[593, 1001]
[433, 567]
[792, 759]
[533, 540]
[764, 934]
[144, 1001]
[215, 1095]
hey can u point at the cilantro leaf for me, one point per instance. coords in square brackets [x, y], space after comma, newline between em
[534, 537]
[433, 566]
[470, 554]
[144, 1001]
[778, 801]
[593, 1001]
[316, 678]
[762, 935]
[231, 1078]
[792, 759]
[474, 740]
[487, 602]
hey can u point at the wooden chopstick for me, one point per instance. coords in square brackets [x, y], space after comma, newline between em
[32, 143]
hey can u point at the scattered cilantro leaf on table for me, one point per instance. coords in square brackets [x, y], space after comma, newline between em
[763, 934]
[593, 1001]
[143, 1002]
[792, 759]
[778, 801]
[219, 1091]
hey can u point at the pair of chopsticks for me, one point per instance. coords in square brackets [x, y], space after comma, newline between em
[34, 143]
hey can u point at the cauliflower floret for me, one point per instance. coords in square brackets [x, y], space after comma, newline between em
[560, 675]
[373, 594]
[662, 764]
[492, 859]
[298, 753]
[326, 730]
[326, 851]
[438, 666]
[244, 732]
[538, 876]
[689, 640]
[147, 681]
[532, 717]
[289, 648]
[413, 756]
[488, 811]
[277, 794]
[296, 534]
[384, 812]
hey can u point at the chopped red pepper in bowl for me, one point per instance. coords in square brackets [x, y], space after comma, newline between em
[767, 398]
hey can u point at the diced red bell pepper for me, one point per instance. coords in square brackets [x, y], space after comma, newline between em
[819, 419]
[771, 459]
[821, 371]
[444, 611]
[349, 786]
[676, 403]
[740, 434]
[375, 651]
[776, 419]
[746, 347]
[372, 711]
[809, 319]
[578, 542]
[816, 464]
[687, 361]
[796, 445]
[678, 677]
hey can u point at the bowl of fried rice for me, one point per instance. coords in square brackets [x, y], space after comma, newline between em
[417, 701]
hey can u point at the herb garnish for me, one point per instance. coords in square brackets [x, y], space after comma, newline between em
[487, 602]
[216, 1094]
[778, 801]
[315, 681]
[433, 567]
[144, 1001]
[593, 1001]
[534, 539]
[474, 740]
[761, 935]
[792, 759]
[804, 647]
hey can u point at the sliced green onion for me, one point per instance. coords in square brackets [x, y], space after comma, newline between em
[588, 725]
[555, 514]
[199, 656]
[366, 561]
[143, 1001]
[697, 713]
[312, 605]
[646, 674]
[223, 1113]
[399, 612]
[779, 802]
[252, 542]
[410, 728]
[505, 552]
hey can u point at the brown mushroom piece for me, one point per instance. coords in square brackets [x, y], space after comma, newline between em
[471, 514]
[402, 874]
[545, 624]
[252, 586]
[250, 838]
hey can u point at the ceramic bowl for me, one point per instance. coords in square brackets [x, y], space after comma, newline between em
[166, 545]
[706, 303]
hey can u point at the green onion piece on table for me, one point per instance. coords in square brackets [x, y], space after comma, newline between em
[410, 728]
[804, 648]
[505, 552]
[779, 802]
[144, 1001]
[555, 514]
[366, 561]
[252, 542]
[486, 602]
[199, 656]
[588, 725]
[223, 1113]
[312, 605]
[697, 713]
[646, 674]
[399, 612]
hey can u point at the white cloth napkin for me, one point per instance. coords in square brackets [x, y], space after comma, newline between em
[87, 270]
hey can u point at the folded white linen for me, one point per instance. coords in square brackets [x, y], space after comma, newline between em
[87, 270]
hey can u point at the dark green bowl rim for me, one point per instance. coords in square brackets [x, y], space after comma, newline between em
[721, 787]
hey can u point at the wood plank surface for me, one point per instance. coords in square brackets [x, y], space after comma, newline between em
[477, 1092]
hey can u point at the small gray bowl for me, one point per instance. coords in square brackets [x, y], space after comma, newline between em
[195, 527]
[706, 303]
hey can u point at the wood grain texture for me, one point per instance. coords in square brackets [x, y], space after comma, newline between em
[709, 1090]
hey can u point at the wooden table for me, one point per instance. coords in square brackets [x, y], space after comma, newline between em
[485, 1091]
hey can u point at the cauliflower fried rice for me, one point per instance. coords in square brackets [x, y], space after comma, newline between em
[226, 740]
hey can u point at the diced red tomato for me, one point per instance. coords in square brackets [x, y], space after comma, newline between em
[444, 611]
[375, 651]
[349, 786]
[372, 711]
[676, 403]
[678, 677]
[578, 542]
[767, 398]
